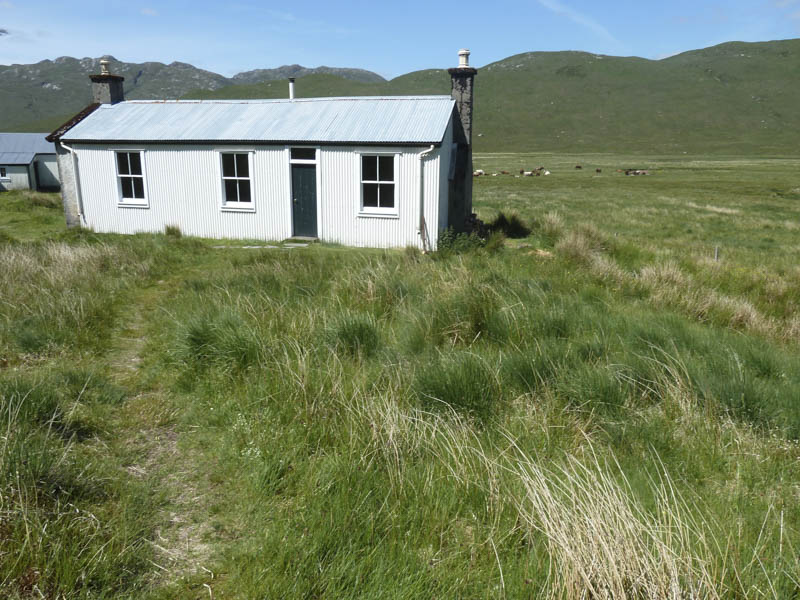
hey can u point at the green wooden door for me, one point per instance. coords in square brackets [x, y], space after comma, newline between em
[304, 200]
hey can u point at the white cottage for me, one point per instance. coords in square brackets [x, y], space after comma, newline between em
[360, 171]
[27, 162]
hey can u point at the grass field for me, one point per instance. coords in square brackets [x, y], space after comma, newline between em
[598, 409]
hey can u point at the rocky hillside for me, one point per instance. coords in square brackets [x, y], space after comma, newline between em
[39, 95]
[735, 98]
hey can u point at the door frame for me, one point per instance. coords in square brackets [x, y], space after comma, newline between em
[303, 161]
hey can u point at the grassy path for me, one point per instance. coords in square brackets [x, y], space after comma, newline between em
[146, 428]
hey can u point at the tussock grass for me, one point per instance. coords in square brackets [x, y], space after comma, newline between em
[584, 415]
[66, 524]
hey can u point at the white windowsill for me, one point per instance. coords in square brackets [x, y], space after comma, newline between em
[133, 205]
[378, 215]
[245, 209]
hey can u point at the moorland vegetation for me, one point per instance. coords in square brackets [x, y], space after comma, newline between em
[605, 407]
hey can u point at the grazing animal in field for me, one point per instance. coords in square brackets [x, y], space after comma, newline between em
[478, 173]
[504, 173]
[598, 170]
[578, 167]
[527, 173]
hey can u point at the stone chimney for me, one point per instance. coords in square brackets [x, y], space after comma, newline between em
[463, 78]
[106, 88]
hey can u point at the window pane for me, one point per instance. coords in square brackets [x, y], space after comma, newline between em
[230, 191]
[228, 170]
[304, 153]
[244, 191]
[369, 168]
[386, 167]
[135, 162]
[387, 195]
[370, 195]
[127, 187]
[122, 163]
[242, 168]
[138, 187]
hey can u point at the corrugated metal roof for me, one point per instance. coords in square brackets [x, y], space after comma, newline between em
[369, 120]
[16, 158]
[22, 145]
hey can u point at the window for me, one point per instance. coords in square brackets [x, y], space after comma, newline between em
[304, 154]
[3, 173]
[236, 191]
[131, 177]
[377, 183]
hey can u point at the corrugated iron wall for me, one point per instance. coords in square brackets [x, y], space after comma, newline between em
[341, 219]
[183, 189]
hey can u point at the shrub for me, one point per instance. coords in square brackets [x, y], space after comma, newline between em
[173, 231]
[456, 243]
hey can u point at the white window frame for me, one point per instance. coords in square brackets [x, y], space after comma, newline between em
[131, 202]
[224, 204]
[378, 211]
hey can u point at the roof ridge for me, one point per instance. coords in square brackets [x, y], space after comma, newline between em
[430, 97]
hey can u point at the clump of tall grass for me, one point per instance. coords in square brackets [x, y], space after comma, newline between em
[582, 243]
[67, 524]
[461, 381]
[355, 335]
[224, 338]
[551, 226]
[603, 544]
[58, 295]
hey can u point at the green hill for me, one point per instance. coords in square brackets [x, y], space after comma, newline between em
[41, 96]
[735, 98]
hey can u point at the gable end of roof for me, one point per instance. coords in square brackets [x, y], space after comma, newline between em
[56, 134]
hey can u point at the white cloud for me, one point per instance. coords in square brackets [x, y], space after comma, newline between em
[6, 4]
[579, 18]
[149, 12]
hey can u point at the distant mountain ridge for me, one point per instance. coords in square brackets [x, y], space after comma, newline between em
[286, 71]
[53, 89]
[735, 98]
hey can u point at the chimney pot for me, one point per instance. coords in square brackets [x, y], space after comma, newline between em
[291, 88]
[104, 62]
[463, 58]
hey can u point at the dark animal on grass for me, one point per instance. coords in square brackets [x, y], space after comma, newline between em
[578, 167]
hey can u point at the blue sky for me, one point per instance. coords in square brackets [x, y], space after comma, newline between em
[390, 38]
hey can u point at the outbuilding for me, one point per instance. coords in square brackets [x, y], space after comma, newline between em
[360, 171]
[27, 162]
